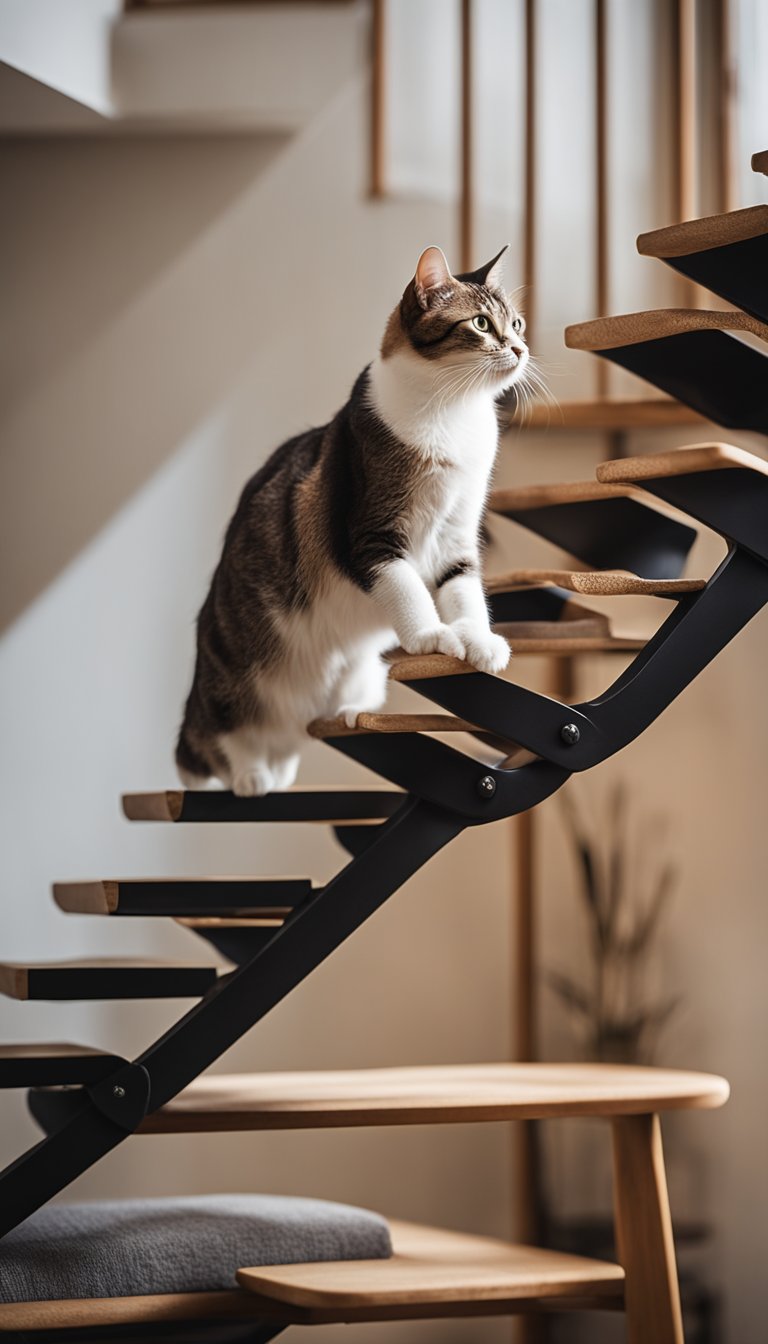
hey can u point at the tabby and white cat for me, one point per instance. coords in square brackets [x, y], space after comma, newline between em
[358, 536]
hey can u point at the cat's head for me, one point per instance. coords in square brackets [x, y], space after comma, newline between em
[462, 322]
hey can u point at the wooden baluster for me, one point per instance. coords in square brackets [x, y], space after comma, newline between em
[377, 185]
[466, 187]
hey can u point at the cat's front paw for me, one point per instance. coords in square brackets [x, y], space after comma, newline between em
[484, 650]
[438, 639]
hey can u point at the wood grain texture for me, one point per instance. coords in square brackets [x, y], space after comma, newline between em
[390, 723]
[430, 1265]
[760, 161]
[163, 806]
[608, 333]
[594, 583]
[87, 898]
[82, 1313]
[611, 413]
[700, 235]
[681, 462]
[437, 1094]
[563, 642]
[520, 498]
[644, 1232]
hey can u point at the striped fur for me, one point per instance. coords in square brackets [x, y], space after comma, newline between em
[355, 537]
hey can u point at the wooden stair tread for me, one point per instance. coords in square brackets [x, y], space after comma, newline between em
[518, 499]
[432, 1266]
[700, 235]
[181, 896]
[694, 355]
[51, 1063]
[564, 644]
[760, 161]
[610, 413]
[328, 805]
[680, 462]
[595, 583]
[105, 978]
[437, 1094]
[607, 333]
[390, 723]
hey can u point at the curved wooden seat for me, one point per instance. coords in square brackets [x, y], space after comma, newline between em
[433, 1273]
[595, 583]
[438, 1094]
[691, 355]
[728, 254]
[760, 161]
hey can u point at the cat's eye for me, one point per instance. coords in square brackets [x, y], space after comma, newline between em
[518, 324]
[481, 322]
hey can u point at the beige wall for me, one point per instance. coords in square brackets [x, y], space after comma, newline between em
[173, 309]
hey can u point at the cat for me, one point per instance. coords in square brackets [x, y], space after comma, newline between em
[357, 536]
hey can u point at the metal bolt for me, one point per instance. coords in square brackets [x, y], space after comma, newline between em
[570, 734]
[118, 1091]
[486, 786]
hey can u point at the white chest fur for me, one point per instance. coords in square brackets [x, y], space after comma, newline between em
[456, 435]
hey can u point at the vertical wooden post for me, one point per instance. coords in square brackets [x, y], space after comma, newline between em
[377, 184]
[686, 186]
[602, 262]
[466, 185]
[529, 185]
[728, 94]
[644, 1232]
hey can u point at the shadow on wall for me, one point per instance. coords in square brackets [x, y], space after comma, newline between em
[126, 316]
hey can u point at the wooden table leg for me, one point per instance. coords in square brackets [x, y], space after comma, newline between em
[644, 1232]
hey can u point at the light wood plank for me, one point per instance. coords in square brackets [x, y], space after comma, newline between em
[612, 413]
[432, 1266]
[15, 976]
[163, 806]
[91, 1312]
[520, 498]
[594, 583]
[681, 462]
[608, 333]
[390, 723]
[561, 643]
[644, 1232]
[436, 1094]
[701, 235]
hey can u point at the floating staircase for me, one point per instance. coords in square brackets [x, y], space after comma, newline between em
[625, 537]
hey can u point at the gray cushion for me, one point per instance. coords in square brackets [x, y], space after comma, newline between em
[128, 1248]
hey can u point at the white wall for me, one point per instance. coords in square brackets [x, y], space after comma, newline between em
[154, 356]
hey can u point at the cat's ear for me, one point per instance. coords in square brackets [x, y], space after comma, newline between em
[432, 275]
[490, 273]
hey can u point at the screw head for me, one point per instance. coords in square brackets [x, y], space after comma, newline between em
[486, 786]
[570, 734]
[118, 1091]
